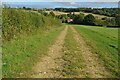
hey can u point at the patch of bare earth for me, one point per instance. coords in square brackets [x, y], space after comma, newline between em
[46, 67]
[94, 68]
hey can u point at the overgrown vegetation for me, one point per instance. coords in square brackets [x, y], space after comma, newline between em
[19, 21]
[104, 43]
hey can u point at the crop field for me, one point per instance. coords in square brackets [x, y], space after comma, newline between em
[96, 15]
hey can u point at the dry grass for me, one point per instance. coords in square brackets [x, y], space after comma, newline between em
[96, 15]
[57, 12]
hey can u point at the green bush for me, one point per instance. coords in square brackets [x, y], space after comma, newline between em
[52, 14]
[89, 19]
[78, 19]
[117, 18]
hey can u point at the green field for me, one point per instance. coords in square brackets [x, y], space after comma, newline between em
[103, 42]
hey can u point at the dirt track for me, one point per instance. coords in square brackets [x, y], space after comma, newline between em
[93, 66]
[47, 67]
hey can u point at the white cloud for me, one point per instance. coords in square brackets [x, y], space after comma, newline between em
[72, 3]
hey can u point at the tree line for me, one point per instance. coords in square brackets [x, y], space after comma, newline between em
[111, 12]
[90, 20]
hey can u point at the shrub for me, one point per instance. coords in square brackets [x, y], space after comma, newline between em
[117, 19]
[51, 13]
[89, 19]
[78, 19]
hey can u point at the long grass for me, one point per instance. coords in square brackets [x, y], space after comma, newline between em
[20, 55]
[19, 21]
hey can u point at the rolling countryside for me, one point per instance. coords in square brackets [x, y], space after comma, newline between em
[60, 42]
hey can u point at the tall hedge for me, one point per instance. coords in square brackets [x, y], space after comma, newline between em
[18, 21]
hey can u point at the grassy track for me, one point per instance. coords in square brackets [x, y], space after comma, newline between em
[46, 67]
[19, 55]
[74, 62]
[104, 43]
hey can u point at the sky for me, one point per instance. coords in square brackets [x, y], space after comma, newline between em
[63, 3]
[60, 0]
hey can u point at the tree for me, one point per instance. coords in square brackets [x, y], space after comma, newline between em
[117, 19]
[52, 14]
[44, 13]
[63, 20]
[89, 19]
[24, 7]
[113, 22]
[78, 19]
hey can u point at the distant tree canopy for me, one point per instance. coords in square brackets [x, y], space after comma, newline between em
[78, 19]
[89, 19]
[6, 6]
[26, 8]
[117, 19]
[112, 18]
[52, 14]
[102, 11]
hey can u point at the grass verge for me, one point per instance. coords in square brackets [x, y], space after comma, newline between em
[20, 54]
